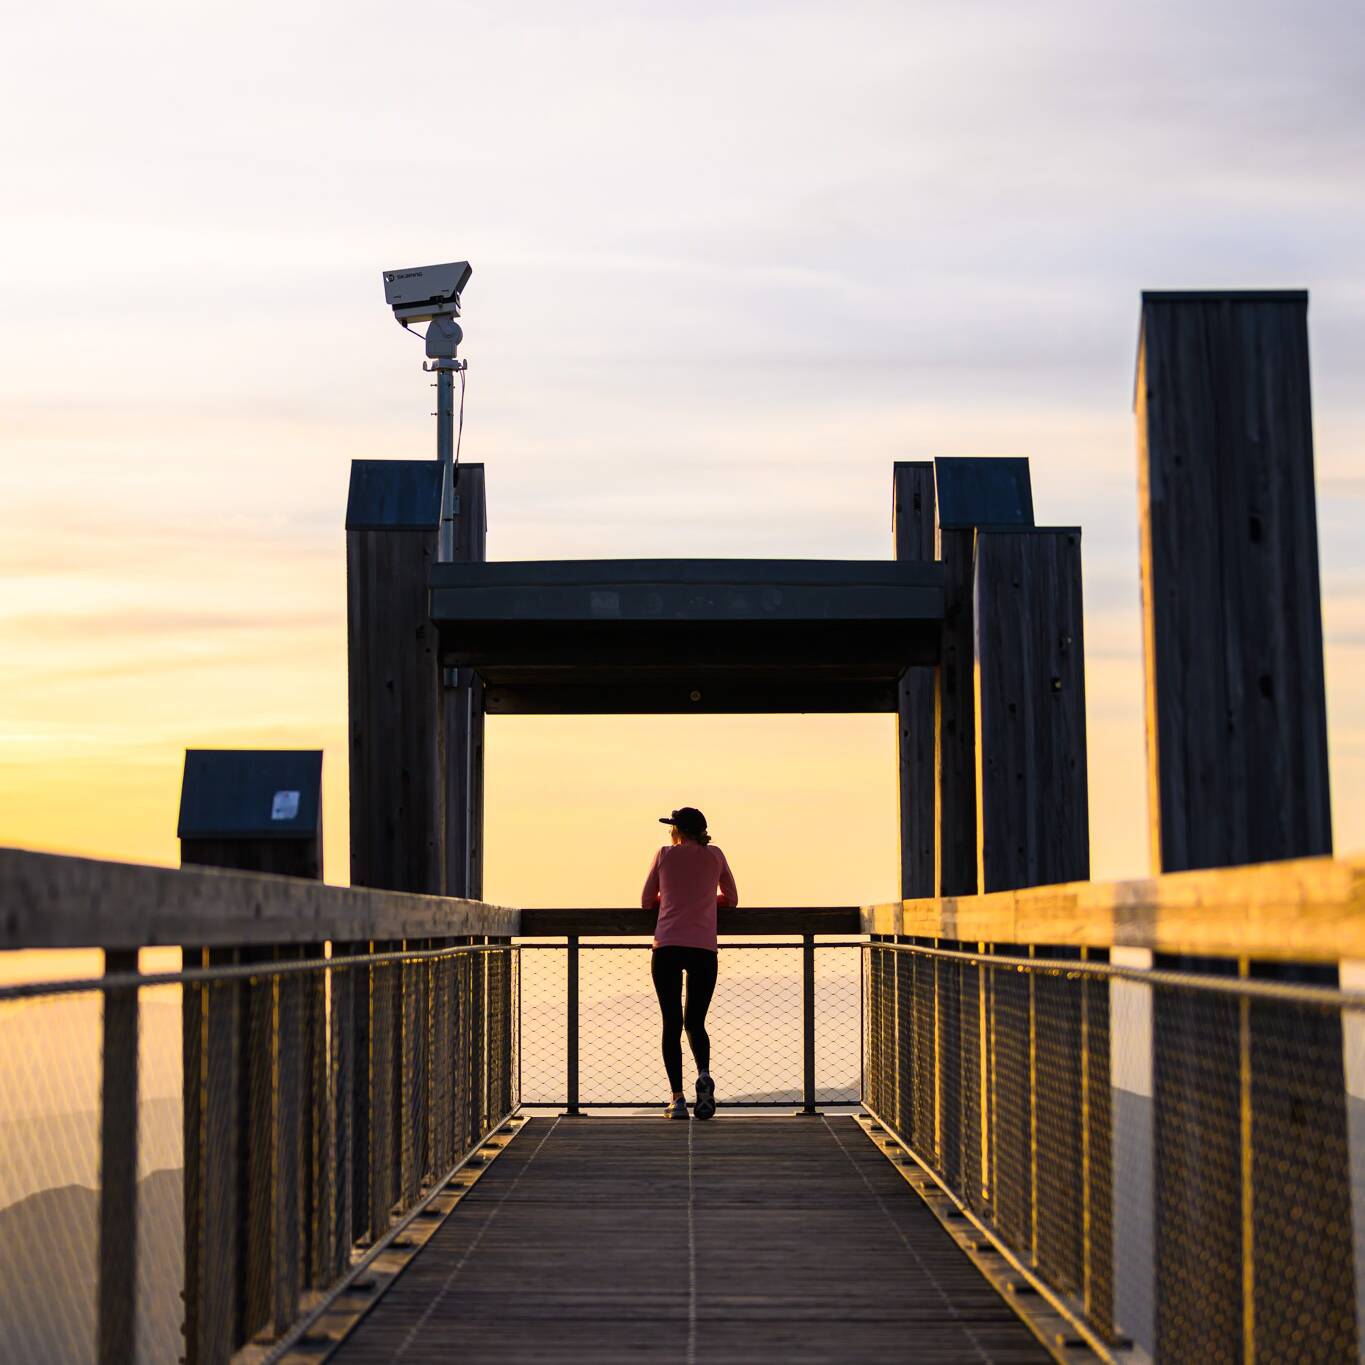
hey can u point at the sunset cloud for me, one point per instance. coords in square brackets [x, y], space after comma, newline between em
[730, 263]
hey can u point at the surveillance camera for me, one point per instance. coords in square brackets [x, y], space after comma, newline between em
[430, 291]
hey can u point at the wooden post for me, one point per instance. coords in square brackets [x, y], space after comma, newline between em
[118, 1231]
[256, 1199]
[1237, 773]
[363, 986]
[287, 1101]
[462, 711]
[912, 528]
[315, 1142]
[411, 1070]
[444, 1059]
[397, 783]
[346, 986]
[213, 1228]
[970, 494]
[1237, 719]
[382, 1099]
[193, 1015]
[1031, 791]
[924, 1041]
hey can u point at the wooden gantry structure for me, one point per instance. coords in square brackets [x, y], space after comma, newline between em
[972, 634]
[976, 592]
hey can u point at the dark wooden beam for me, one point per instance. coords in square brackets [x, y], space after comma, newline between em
[706, 694]
[739, 614]
[589, 651]
[58, 902]
[116, 1289]
[1032, 794]
[738, 922]
[971, 494]
[397, 786]
[651, 636]
[462, 711]
[1237, 720]
[912, 529]
[699, 589]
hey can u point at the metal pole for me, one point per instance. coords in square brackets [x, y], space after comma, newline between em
[571, 1012]
[808, 1023]
[864, 1024]
[445, 454]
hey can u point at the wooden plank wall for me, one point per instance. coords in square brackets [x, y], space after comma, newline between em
[462, 712]
[397, 777]
[1237, 722]
[1032, 796]
[913, 531]
[970, 494]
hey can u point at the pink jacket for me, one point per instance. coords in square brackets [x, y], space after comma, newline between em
[683, 881]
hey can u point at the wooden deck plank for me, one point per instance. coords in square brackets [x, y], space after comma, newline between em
[808, 1246]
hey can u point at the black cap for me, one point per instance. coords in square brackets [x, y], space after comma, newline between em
[688, 819]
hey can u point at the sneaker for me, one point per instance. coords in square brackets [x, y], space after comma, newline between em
[676, 1109]
[706, 1097]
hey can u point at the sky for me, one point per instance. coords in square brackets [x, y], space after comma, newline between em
[730, 262]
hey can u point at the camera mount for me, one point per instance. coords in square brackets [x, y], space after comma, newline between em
[431, 294]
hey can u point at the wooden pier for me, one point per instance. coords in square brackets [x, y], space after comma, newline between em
[626, 1239]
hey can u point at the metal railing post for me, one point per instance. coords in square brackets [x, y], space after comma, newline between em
[571, 1011]
[808, 1025]
[864, 966]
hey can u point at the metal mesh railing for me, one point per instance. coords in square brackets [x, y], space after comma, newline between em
[783, 1024]
[191, 1159]
[49, 1175]
[1167, 1149]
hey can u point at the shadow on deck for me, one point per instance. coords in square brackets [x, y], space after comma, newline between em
[605, 1239]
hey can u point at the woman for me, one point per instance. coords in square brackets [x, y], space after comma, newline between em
[683, 883]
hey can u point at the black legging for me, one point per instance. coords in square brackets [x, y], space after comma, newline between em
[667, 966]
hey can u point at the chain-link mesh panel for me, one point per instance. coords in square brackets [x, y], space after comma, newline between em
[1169, 1150]
[544, 1023]
[838, 1023]
[755, 1025]
[267, 1113]
[161, 1175]
[50, 1057]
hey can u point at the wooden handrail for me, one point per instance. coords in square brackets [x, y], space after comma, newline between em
[51, 901]
[762, 920]
[1304, 910]
[1310, 909]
